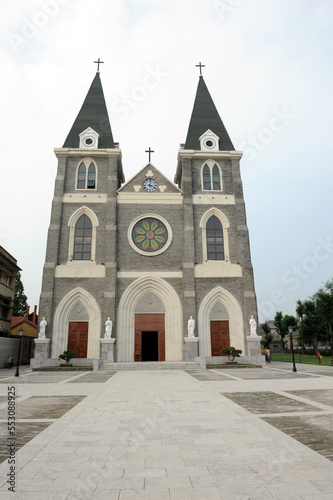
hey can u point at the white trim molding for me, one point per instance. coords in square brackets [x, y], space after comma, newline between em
[61, 320]
[87, 162]
[211, 164]
[173, 317]
[225, 226]
[146, 216]
[71, 224]
[236, 323]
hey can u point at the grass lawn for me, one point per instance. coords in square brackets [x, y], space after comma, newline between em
[306, 359]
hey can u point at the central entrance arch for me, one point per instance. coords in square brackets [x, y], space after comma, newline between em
[149, 344]
[128, 308]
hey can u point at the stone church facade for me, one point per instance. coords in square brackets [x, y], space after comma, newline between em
[147, 253]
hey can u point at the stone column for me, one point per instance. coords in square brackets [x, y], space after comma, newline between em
[107, 349]
[42, 352]
[191, 348]
[253, 345]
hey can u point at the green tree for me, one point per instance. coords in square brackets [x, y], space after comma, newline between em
[324, 305]
[282, 323]
[20, 299]
[280, 327]
[312, 324]
[268, 336]
[300, 311]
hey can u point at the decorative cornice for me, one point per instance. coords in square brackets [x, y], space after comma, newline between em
[59, 152]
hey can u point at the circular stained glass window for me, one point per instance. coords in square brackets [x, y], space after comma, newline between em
[149, 235]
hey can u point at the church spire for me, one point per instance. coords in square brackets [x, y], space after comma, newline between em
[205, 117]
[93, 114]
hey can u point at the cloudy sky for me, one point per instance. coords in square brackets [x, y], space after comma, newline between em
[269, 70]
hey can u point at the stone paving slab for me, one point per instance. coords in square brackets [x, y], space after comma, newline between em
[168, 435]
[267, 402]
[313, 431]
[204, 375]
[324, 397]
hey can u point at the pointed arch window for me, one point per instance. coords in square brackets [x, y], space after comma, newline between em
[82, 239]
[216, 178]
[211, 176]
[206, 177]
[81, 176]
[91, 176]
[86, 175]
[214, 239]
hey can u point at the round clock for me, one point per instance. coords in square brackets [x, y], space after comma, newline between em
[149, 185]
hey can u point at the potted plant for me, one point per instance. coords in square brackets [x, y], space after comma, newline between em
[232, 352]
[67, 356]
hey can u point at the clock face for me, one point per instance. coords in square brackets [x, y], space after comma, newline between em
[149, 185]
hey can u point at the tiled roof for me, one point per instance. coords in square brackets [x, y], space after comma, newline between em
[205, 116]
[18, 320]
[93, 114]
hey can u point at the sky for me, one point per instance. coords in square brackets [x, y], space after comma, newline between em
[268, 67]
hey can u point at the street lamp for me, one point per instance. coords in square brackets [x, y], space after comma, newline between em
[290, 329]
[17, 373]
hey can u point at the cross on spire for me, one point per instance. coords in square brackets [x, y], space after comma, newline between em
[98, 62]
[149, 151]
[200, 66]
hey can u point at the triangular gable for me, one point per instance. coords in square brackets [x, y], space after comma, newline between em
[163, 184]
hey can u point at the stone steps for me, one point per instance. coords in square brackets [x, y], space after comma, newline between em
[151, 365]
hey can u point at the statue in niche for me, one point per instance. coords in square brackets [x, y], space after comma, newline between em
[108, 328]
[190, 327]
[253, 327]
[42, 328]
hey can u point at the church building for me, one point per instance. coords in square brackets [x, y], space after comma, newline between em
[150, 254]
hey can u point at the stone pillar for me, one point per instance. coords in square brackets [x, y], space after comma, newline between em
[191, 348]
[42, 352]
[253, 345]
[107, 349]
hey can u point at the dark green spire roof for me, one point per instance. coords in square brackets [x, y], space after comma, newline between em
[92, 114]
[205, 116]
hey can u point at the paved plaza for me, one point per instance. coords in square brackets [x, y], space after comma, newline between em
[250, 433]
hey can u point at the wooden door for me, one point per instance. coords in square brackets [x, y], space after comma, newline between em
[219, 334]
[149, 323]
[78, 338]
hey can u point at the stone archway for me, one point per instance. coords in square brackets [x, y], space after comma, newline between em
[62, 318]
[173, 318]
[236, 323]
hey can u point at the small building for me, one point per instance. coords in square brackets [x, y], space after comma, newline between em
[28, 323]
[8, 271]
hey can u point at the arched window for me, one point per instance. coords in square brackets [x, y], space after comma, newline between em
[214, 239]
[81, 176]
[91, 176]
[86, 175]
[82, 239]
[211, 176]
[216, 178]
[206, 177]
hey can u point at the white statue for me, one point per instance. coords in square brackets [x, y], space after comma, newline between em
[190, 327]
[253, 327]
[108, 329]
[42, 328]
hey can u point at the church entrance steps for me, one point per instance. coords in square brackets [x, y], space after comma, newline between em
[151, 365]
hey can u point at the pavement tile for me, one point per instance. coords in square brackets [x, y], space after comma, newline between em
[211, 493]
[245, 492]
[144, 495]
[110, 483]
[172, 436]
